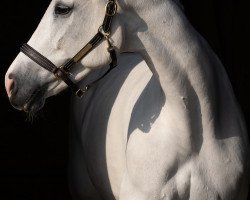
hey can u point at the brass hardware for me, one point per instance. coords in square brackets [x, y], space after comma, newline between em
[83, 52]
[100, 30]
[59, 72]
[110, 46]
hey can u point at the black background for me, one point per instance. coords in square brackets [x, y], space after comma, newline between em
[33, 155]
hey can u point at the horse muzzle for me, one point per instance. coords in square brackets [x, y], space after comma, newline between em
[22, 96]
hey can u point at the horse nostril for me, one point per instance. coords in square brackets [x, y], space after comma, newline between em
[9, 84]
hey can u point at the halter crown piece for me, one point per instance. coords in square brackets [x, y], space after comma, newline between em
[62, 72]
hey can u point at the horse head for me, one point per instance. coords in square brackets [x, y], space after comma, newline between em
[65, 27]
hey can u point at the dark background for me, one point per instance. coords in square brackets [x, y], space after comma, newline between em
[33, 155]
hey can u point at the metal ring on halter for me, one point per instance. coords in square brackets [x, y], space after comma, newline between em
[113, 11]
[100, 30]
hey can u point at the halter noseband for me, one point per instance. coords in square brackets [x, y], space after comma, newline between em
[62, 72]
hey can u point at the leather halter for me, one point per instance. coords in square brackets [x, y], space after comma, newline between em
[62, 72]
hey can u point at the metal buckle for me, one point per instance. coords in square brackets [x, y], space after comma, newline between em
[113, 11]
[59, 72]
[100, 30]
[79, 93]
[55, 72]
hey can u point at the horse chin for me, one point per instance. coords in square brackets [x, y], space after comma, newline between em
[33, 108]
[35, 102]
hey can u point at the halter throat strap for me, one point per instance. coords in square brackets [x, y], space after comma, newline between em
[62, 72]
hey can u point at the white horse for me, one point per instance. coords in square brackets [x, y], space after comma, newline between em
[171, 132]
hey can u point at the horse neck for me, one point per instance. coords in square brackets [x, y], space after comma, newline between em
[185, 65]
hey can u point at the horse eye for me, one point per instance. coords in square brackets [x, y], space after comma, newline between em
[62, 9]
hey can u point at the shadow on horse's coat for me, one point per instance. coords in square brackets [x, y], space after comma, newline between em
[97, 105]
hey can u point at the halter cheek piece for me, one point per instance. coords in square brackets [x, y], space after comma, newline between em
[62, 72]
